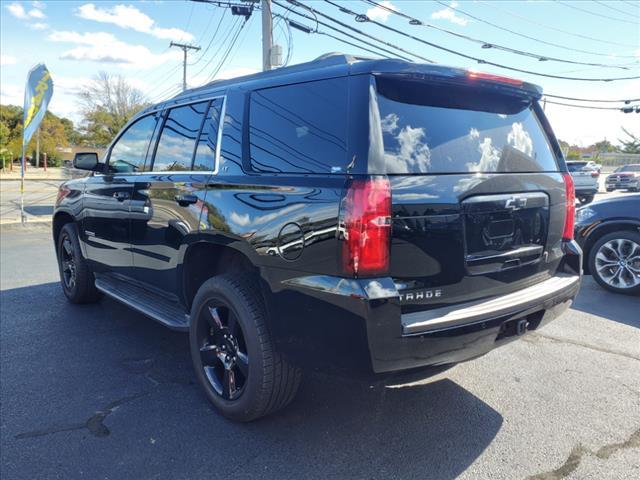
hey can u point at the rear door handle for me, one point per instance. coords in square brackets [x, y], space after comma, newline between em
[121, 196]
[186, 200]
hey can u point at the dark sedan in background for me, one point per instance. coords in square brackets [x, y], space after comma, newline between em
[609, 233]
[626, 177]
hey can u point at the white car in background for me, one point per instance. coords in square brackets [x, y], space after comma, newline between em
[585, 179]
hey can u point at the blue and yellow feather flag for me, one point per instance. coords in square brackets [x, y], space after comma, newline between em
[37, 94]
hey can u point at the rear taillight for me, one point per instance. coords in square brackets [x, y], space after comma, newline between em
[595, 174]
[367, 227]
[570, 207]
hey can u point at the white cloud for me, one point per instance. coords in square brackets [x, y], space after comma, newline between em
[39, 5]
[379, 13]
[38, 26]
[11, 94]
[7, 60]
[129, 17]
[520, 139]
[390, 123]
[35, 13]
[412, 154]
[450, 15]
[17, 11]
[106, 48]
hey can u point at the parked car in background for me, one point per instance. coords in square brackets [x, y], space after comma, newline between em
[609, 233]
[585, 179]
[626, 177]
[594, 166]
[365, 216]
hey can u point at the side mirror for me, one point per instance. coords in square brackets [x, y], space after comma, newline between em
[85, 161]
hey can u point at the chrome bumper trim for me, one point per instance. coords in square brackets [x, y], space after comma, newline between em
[455, 316]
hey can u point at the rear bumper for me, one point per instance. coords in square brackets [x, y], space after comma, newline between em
[356, 326]
[586, 191]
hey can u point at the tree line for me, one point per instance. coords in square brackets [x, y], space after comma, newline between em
[106, 104]
[629, 143]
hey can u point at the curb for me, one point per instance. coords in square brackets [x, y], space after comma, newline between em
[35, 179]
[17, 226]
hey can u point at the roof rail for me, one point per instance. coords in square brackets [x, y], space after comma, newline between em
[326, 60]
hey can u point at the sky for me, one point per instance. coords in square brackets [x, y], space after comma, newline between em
[76, 40]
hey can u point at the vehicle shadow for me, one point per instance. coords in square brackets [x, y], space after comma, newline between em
[594, 299]
[135, 377]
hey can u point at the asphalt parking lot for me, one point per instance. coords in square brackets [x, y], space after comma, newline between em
[99, 391]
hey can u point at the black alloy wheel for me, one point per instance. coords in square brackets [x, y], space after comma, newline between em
[234, 356]
[77, 279]
[223, 350]
[68, 263]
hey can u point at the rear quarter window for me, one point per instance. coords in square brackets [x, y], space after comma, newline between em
[299, 128]
[444, 129]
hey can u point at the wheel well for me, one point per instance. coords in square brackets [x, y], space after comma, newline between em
[205, 260]
[59, 221]
[600, 232]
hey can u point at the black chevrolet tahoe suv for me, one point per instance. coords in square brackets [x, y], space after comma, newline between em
[361, 216]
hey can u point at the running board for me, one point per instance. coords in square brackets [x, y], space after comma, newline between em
[152, 304]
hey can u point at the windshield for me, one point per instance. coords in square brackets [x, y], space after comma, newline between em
[628, 168]
[455, 130]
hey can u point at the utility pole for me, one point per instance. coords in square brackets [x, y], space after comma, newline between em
[267, 27]
[184, 48]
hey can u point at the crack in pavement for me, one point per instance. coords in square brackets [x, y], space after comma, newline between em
[575, 457]
[533, 335]
[94, 424]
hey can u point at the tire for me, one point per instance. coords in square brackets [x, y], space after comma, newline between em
[609, 190]
[76, 278]
[255, 380]
[605, 252]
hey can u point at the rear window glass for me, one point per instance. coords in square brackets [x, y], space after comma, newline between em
[576, 166]
[446, 129]
[299, 128]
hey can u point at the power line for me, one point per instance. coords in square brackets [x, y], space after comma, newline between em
[234, 25]
[613, 8]
[464, 55]
[485, 44]
[231, 45]
[593, 100]
[359, 32]
[478, 19]
[555, 29]
[599, 15]
[347, 42]
[629, 109]
[215, 33]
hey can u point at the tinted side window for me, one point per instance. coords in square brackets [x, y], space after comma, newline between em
[206, 148]
[129, 152]
[178, 138]
[300, 128]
